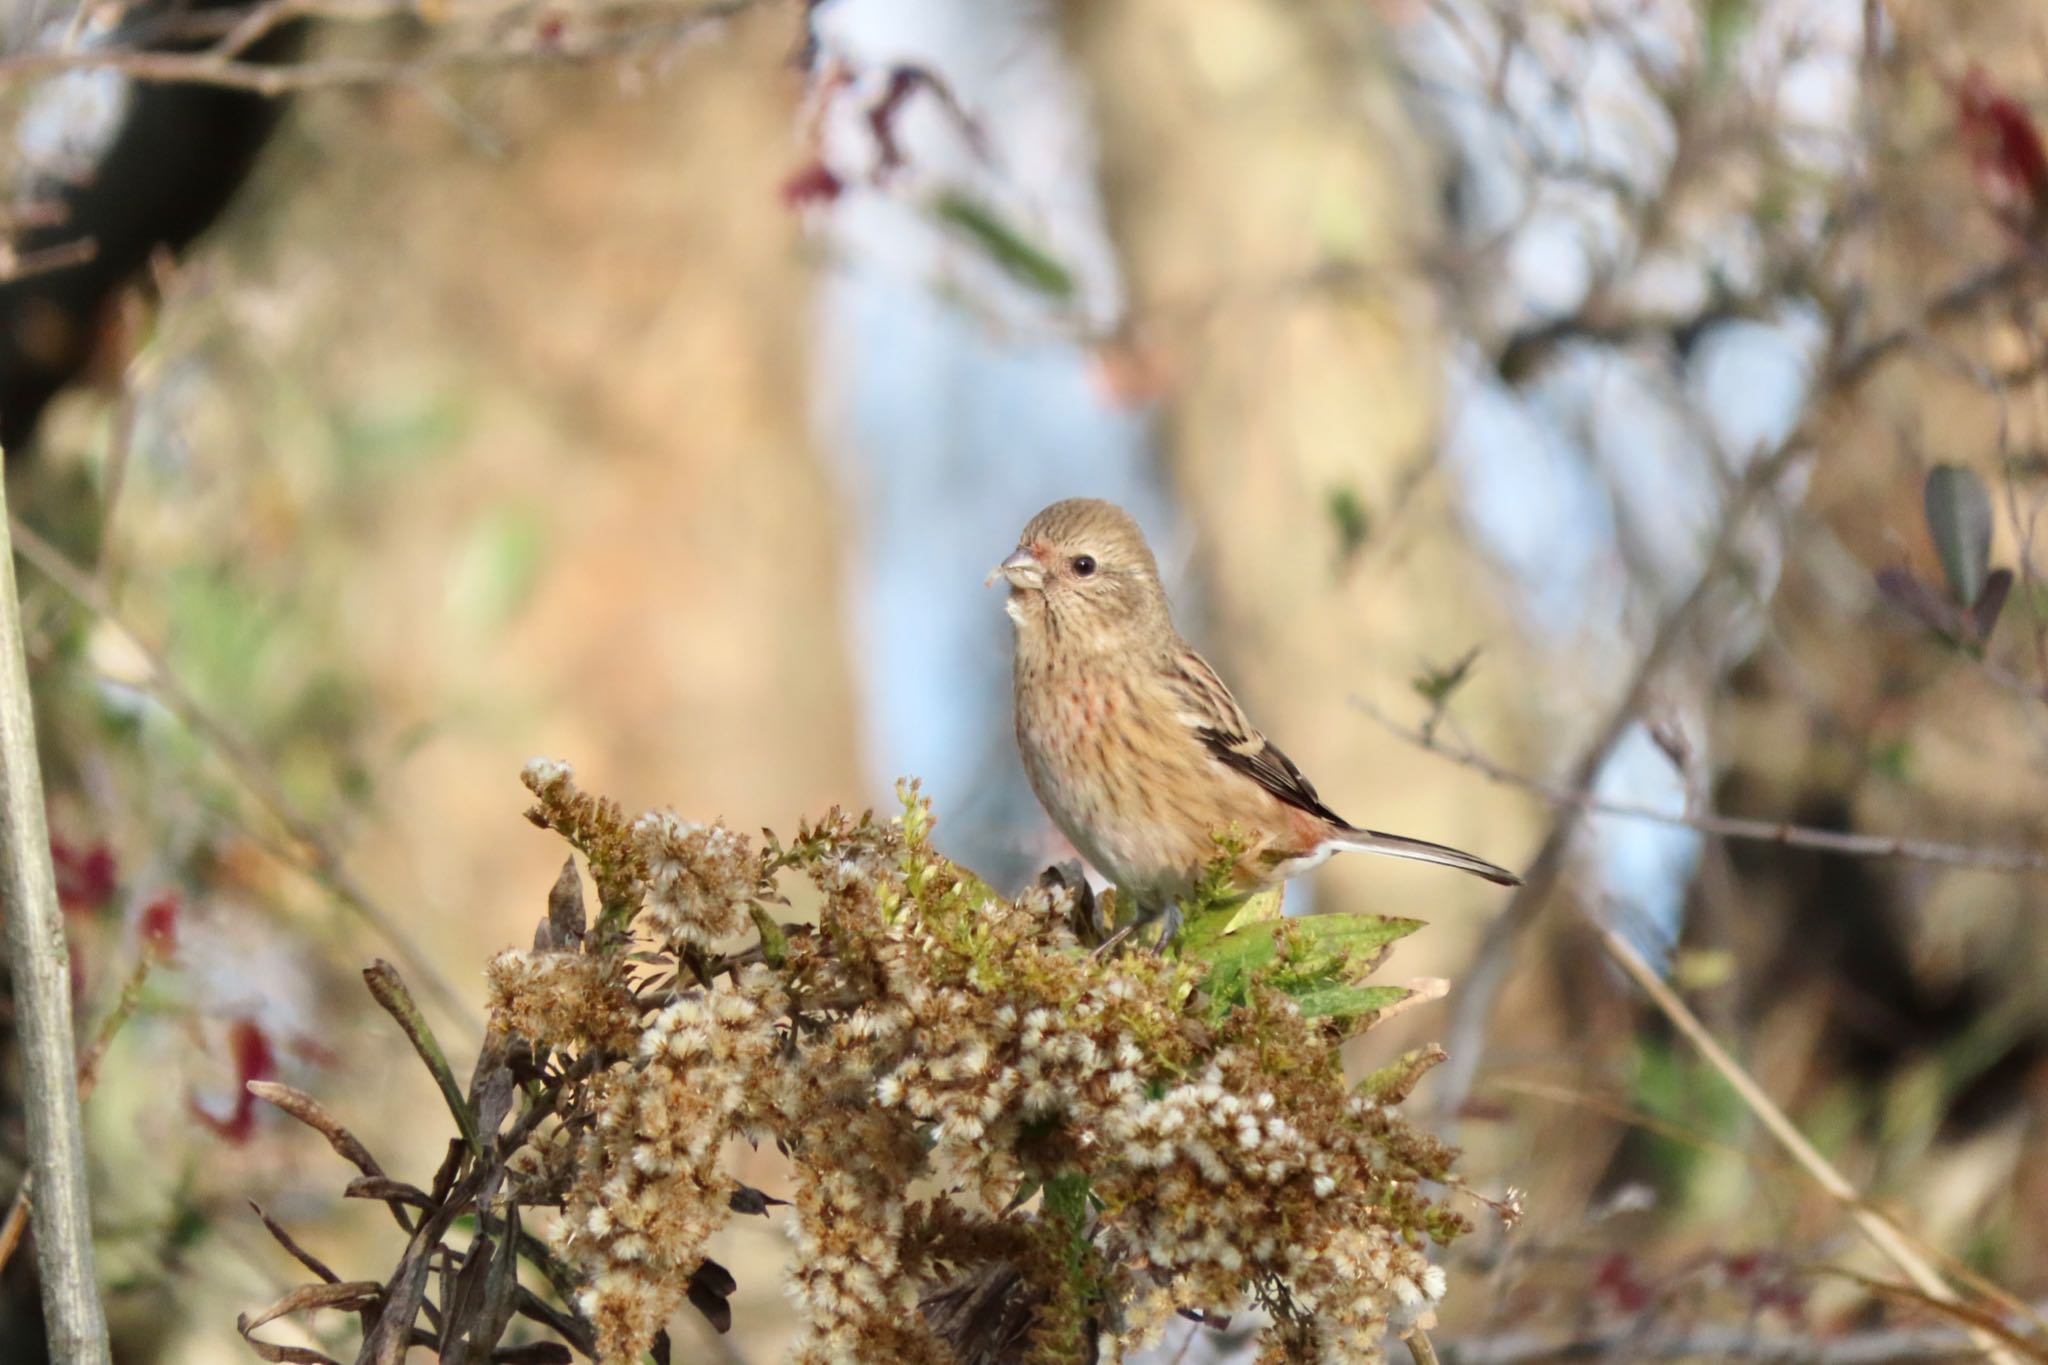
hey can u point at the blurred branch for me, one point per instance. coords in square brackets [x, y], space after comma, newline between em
[1725, 826]
[20, 265]
[1883, 1233]
[1888, 1346]
[1472, 1003]
[1472, 1000]
[1991, 283]
[1845, 369]
[40, 965]
[310, 846]
[1627, 1114]
[223, 65]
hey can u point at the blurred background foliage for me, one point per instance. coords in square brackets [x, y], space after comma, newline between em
[597, 383]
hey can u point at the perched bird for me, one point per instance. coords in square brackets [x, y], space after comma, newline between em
[1135, 747]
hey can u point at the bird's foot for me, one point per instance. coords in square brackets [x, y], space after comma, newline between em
[1169, 928]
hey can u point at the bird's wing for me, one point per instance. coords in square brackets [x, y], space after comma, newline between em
[1221, 725]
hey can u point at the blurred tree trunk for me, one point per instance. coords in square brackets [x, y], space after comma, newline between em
[1273, 207]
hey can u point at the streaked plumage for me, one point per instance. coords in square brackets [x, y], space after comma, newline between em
[1135, 747]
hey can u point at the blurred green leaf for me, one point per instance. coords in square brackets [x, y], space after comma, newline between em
[1699, 969]
[189, 1225]
[1894, 760]
[1437, 686]
[1959, 519]
[1018, 257]
[497, 568]
[392, 431]
[1354, 522]
[1723, 25]
[1674, 1084]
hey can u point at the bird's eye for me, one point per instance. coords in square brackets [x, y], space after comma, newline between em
[1083, 565]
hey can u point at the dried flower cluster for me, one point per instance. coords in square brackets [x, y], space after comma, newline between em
[1115, 1138]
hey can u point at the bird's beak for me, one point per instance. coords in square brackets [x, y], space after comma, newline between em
[1023, 569]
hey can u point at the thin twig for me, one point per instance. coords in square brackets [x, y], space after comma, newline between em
[1846, 369]
[220, 66]
[1883, 1233]
[1472, 1000]
[1725, 826]
[310, 846]
[41, 969]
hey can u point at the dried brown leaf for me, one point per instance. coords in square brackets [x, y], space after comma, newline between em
[711, 1285]
[314, 1115]
[534, 1353]
[297, 1252]
[390, 1191]
[566, 915]
[347, 1294]
[747, 1199]
[574, 1330]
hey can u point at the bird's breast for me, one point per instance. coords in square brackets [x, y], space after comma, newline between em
[1114, 769]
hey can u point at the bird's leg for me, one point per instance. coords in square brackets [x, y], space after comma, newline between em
[1169, 926]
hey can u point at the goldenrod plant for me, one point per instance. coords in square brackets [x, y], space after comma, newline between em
[1010, 1136]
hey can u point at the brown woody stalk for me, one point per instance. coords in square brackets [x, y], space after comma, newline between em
[40, 965]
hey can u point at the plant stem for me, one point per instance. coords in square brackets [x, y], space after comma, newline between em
[1882, 1232]
[41, 968]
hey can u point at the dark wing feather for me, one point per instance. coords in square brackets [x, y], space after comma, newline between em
[1257, 758]
[1227, 733]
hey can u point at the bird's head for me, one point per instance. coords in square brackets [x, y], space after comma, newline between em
[1082, 568]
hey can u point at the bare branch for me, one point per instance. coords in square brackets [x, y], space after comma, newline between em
[1472, 1002]
[223, 65]
[1724, 826]
[41, 968]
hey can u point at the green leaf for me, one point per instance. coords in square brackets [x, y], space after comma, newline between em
[774, 943]
[1959, 519]
[1337, 1001]
[1018, 257]
[1070, 1201]
[1208, 923]
[1328, 954]
[1391, 1083]
[1357, 933]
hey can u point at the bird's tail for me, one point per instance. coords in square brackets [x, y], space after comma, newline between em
[1422, 851]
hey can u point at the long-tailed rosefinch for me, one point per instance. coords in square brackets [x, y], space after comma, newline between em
[1135, 747]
